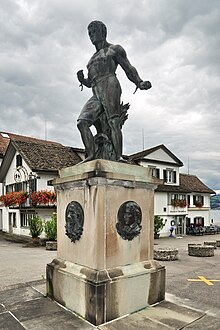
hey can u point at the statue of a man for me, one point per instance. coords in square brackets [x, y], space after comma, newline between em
[106, 90]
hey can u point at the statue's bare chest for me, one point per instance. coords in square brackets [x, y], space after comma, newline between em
[101, 63]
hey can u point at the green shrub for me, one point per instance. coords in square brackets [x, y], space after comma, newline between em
[36, 226]
[51, 228]
[158, 224]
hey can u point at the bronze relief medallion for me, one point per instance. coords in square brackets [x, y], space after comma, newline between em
[74, 221]
[129, 220]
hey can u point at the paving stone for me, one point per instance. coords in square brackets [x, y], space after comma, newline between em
[40, 287]
[2, 308]
[206, 322]
[8, 322]
[171, 314]
[34, 309]
[134, 322]
[61, 320]
[17, 295]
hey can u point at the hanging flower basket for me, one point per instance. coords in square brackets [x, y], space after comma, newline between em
[14, 198]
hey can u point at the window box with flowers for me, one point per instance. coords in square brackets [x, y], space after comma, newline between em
[43, 198]
[178, 202]
[198, 204]
[14, 198]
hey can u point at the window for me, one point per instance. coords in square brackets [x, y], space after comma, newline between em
[188, 200]
[198, 200]
[18, 186]
[177, 200]
[5, 135]
[32, 185]
[18, 160]
[10, 188]
[169, 176]
[25, 217]
[12, 219]
[199, 221]
[155, 172]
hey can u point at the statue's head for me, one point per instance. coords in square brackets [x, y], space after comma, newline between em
[97, 31]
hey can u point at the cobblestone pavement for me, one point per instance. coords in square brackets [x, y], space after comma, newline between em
[196, 294]
[20, 264]
[189, 304]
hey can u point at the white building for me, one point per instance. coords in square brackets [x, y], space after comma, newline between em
[29, 165]
[182, 199]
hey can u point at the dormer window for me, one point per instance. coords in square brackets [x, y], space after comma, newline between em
[18, 161]
[5, 135]
[154, 172]
[169, 176]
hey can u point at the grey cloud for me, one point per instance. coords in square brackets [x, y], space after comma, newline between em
[174, 43]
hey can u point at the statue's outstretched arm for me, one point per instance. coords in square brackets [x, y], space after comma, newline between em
[83, 81]
[130, 70]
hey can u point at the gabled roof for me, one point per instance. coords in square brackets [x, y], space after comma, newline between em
[145, 154]
[6, 137]
[46, 156]
[40, 155]
[188, 184]
[194, 184]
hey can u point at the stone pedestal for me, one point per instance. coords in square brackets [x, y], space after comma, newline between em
[107, 270]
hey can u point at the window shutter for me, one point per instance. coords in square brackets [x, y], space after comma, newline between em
[18, 160]
[165, 175]
[202, 200]
[194, 199]
[188, 199]
[174, 176]
[158, 173]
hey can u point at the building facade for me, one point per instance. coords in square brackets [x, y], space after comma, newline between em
[182, 200]
[29, 165]
[28, 168]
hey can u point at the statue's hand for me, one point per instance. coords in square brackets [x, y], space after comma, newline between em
[145, 85]
[80, 76]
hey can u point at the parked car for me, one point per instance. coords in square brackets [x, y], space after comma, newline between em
[193, 230]
[210, 230]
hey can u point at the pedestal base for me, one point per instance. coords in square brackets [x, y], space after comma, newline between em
[105, 267]
[104, 295]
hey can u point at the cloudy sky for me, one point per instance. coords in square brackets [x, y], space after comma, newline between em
[173, 43]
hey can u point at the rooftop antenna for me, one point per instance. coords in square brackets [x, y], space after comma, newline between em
[45, 130]
[188, 164]
[143, 146]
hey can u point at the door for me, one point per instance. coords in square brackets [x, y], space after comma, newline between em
[10, 223]
[180, 226]
[1, 221]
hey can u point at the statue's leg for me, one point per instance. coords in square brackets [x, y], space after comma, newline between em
[89, 114]
[112, 110]
[87, 137]
[116, 136]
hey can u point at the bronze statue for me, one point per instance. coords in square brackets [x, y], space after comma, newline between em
[104, 109]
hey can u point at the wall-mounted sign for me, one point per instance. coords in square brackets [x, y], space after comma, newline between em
[17, 176]
[20, 174]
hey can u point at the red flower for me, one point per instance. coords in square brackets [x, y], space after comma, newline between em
[43, 197]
